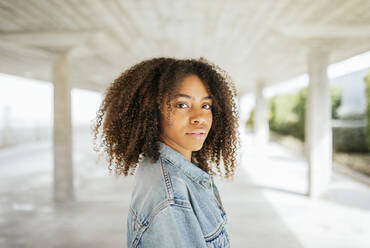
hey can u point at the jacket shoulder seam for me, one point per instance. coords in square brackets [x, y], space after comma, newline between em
[167, 180]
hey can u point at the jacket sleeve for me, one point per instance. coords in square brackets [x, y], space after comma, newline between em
[173, 226]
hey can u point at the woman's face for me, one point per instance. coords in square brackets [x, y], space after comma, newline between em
[191, 113]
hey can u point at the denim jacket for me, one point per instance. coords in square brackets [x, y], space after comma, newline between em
[175, 204]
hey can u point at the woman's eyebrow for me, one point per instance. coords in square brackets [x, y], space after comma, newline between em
[191, 97]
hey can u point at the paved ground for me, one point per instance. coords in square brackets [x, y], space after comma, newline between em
[266, 204]
[341, 219]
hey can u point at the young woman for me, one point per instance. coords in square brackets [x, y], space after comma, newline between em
[168, 121]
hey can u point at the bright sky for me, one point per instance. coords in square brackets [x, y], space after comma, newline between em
[26, 102]
[353, 64]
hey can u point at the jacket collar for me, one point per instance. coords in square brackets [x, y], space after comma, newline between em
[190, 169]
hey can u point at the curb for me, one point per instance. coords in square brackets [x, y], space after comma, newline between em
[351, 173]
[337, 167]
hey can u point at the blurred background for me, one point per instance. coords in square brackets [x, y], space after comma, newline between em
[302, 72]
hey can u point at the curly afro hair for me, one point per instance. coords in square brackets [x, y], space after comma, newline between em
[130, 114]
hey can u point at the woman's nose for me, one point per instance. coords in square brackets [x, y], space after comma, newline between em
[198, 117]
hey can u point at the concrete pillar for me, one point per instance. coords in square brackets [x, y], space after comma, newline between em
[318, 133]
[63, 163]
[260, 125]
[242, 120]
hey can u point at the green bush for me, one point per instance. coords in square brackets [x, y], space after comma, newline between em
[300, 110]
[349, 139]
[288, 111]
[282, 118]
[250, 120]
[336, 101]
[367, 111]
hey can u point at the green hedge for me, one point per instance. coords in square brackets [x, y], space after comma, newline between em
[287, 111]
[282, 117]
[349, 139]
[250, 120]
[286, 115]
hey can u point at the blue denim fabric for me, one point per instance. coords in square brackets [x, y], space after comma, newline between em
[175, 204]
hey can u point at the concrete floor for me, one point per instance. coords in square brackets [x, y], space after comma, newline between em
[265, 203]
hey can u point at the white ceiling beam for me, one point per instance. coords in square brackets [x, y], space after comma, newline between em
[48, 38]
[19, 50]
[267, 18]
[325, 31]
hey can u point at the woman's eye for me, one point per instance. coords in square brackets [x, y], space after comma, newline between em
[180, 104]
[210, 106]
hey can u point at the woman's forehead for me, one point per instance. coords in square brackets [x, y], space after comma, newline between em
[190, 85]
[192, 97]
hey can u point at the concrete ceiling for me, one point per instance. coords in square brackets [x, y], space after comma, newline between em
[253, 41]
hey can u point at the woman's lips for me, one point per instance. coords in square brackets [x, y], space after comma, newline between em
[197, 135]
